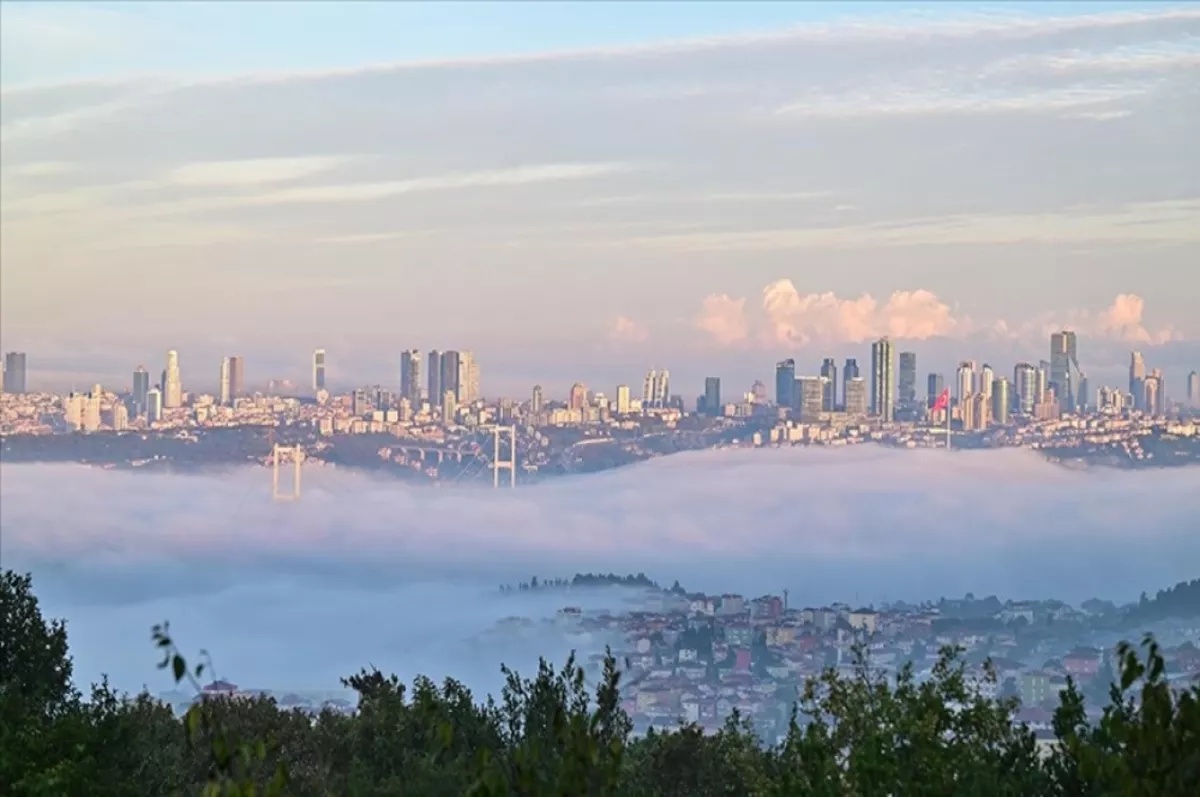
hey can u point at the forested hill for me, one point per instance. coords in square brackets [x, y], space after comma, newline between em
[854, 734]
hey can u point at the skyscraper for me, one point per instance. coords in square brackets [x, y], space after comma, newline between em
[829, 371]
[1062, 359]
[450, 375]
[1000, 401]
[154, 405]
[172, 382]
[785, 382]
[1194, 390]
[1137, 379]
[883, 380]
[986, 377]
[536, 400]
[318, 370]
[712, 395]
[908, 378]
[934, 385]
[856, 396]
[468, 378]
[811, 397]
[622, 399]
[224, 390]
[849, 371]
[435, 378]
[14, 372]
[237, 377]
[964, 381]
[1025, 388]
[410, 376]
[141, 391]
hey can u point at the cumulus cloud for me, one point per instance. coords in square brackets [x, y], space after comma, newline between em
[626, 330]
[723, 319]
[364, 570]
[788, 317]
[791, 318]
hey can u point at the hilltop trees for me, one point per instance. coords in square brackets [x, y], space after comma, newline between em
[853, 734]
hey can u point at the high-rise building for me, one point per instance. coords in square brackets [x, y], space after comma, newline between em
[1194, 390]
[849, 371]
[14, 372]
[410, 376]
[934, 385]
[623, 400]
[811, 392]
[450, 375]
[908, 378]
[237, 377]
[154, 405]
[1000, 401]
[856, 396]
[536, 400]
[1154, 398]
[656, 388]
[986, 377]
[224, 390]
[318, 370]
[120, 417]
[435, 378]
[1137, 379]
[712, 395]
[883, 380]
[1042, 389]
[964, 382]
[785, 382]
[73, 410]
[468, 378]
[449, 406]
[829, 371]
[91, 410]
[1025, 388]
[141, 391]
[1062, 359]
[172, 382]
[577, 398]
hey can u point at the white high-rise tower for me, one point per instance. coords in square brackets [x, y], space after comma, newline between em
[172, 384]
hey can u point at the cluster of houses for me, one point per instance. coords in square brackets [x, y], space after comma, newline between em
[698, 658]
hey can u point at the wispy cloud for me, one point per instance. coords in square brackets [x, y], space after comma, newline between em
[258, 171]
[626, 330]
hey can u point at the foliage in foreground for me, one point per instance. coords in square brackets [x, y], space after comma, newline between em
[551, 735]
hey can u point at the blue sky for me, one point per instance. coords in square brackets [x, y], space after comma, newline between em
[236, 37]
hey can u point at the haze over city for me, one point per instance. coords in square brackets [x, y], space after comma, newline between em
[707, 191]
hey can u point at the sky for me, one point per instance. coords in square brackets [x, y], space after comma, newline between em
[418, 569]
[584, 191]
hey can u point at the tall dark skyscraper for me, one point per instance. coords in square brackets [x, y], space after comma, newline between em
[318, 380]
[435, 378]
[934, 385]
[410, 376]
[450, 373]
[883, 380]
[14, 372]
[141, 391]
[829, 370]
[849, 371]
[237, 377]
[712, 395]
[908, 379]
[785, 382]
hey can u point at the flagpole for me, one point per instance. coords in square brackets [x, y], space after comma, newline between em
[947, 424]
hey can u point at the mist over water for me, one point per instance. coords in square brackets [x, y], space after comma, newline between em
[368, 571]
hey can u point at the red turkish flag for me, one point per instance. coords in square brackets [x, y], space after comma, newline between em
[942, 402]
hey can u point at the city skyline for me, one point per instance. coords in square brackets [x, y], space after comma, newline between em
[815, 180]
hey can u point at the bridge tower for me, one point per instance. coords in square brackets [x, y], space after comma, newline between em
[278, 454]
[498, 463]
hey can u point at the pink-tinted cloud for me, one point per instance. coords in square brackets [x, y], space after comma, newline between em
[723, 318]
[788, 317]
[626, 330]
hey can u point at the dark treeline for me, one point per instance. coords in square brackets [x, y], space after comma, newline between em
[549, 735]
[580, 580]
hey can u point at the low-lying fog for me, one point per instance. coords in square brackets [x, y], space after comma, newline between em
[368, 571]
